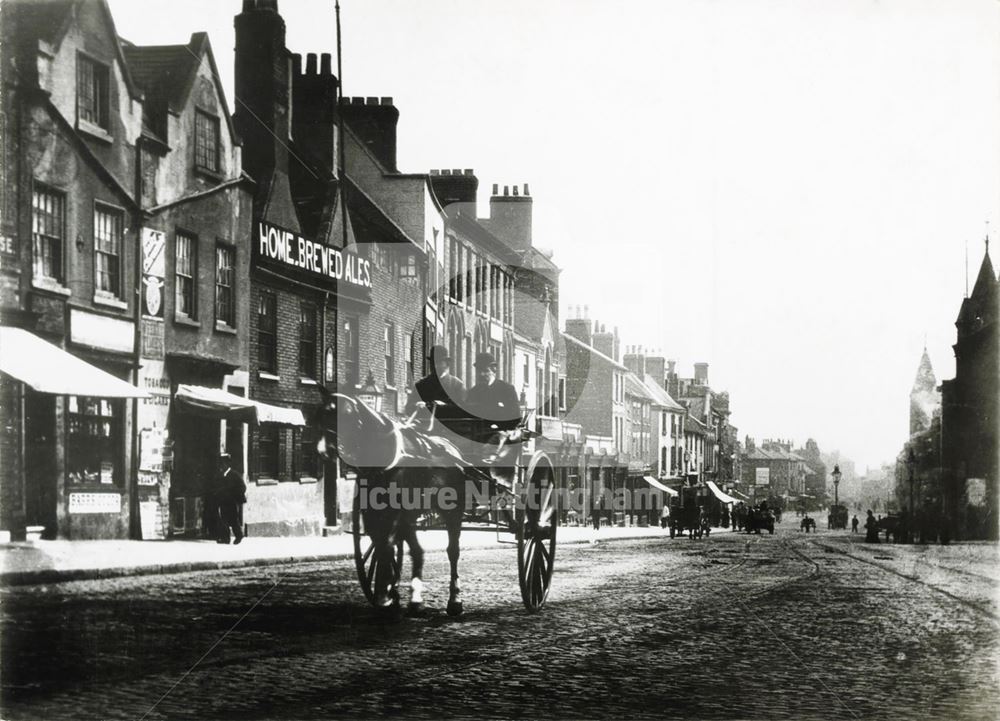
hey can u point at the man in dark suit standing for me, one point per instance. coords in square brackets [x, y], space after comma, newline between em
[491, 398]
[438, 385]
[230, 494]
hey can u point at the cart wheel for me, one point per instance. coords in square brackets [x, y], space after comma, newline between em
[536, 522]
[367, 561]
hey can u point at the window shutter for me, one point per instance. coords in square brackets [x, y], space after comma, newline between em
[283, 454]
[298, 468]
[254, 456]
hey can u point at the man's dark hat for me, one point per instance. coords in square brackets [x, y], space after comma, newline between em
[484, 360]
[438, 352]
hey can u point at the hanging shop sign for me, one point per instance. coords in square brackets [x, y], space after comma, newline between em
[343, 272]
[153, 271]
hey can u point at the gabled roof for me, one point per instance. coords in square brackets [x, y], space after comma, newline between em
[49, 20]
[660, 397]
[166, 74]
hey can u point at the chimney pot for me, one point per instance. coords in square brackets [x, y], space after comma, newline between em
[456, 171]
[445, 171]
[310, 63]
[469, 171]
[586, 308]
[296, 64]
[526, 189]
[371, 101]
[357, 100]
[506, 190]
[324, 64]
[515, 191]
[494, 188]
[435, 171]
[386, 100]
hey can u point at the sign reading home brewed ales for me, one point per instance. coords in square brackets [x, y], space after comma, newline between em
[345, 273]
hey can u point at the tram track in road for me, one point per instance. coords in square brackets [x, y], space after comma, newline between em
[989, 613]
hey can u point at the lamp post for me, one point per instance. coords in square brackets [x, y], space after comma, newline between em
[836, 483]
[370, 394]
[911, 462]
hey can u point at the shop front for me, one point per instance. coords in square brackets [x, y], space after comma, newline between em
[75, 425]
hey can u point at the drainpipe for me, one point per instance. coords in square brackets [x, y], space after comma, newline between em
[135, 525]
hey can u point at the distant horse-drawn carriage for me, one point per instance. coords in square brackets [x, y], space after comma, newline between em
[687, 515]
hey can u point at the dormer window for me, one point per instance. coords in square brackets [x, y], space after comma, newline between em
[206, 142]
[92, 92]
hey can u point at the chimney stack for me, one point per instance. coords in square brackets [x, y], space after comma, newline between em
[579, 327]
[373, 120]
[456, 190]
[701, 373]
[510, 217]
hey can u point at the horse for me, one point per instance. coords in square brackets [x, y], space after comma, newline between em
[396, 457]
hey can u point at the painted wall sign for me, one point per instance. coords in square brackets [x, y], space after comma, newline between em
[101, 331]
[279, 249]
[763, 476]
[95, 503]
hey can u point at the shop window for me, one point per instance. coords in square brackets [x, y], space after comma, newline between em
[186, 274]
[225, 293]
[93, 448]
[48, 217]
[388, 342]
[267, 332]
[269, 452]
[307, 341]
[307, 463]
[92, 91]
[206, 141]
[108, 225]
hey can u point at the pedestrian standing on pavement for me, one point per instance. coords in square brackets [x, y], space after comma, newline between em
[664, 515]
[871, 528]
[230, 493]
[854, 524]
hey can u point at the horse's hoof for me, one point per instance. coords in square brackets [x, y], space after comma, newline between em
[417, 609]
[454, 608]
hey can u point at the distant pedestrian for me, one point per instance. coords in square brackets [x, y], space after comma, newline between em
[854, 524]
[664, 515]
[230, 493]
[871, 528]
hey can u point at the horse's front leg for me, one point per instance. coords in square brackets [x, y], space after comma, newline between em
[409, 534]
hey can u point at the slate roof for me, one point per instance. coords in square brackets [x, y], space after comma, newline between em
[571, 341]
[660, 397]
[636, 388]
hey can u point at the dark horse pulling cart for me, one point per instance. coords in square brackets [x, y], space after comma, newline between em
[444, 462]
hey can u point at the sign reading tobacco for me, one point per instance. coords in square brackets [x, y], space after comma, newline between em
[293, 255]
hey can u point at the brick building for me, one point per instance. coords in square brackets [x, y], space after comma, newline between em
[338, 286]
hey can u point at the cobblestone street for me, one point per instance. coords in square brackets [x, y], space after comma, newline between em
[785, 626]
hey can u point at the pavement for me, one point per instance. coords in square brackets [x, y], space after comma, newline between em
[37, 562]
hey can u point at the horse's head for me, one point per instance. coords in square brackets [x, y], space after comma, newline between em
[354, 432]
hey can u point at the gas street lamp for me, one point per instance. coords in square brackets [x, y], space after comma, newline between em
[370, 394]
[836, 483]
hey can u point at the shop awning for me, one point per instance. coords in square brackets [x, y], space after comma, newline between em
[220, 404]
[656, 484]
[49, 369]
[721, 495]
[736, 493]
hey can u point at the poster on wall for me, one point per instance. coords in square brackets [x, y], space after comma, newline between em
[763, 476]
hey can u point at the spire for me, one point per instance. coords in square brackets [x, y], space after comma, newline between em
[925, 380]
[986, 279]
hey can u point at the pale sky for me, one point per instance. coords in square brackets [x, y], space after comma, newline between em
[781, 188]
